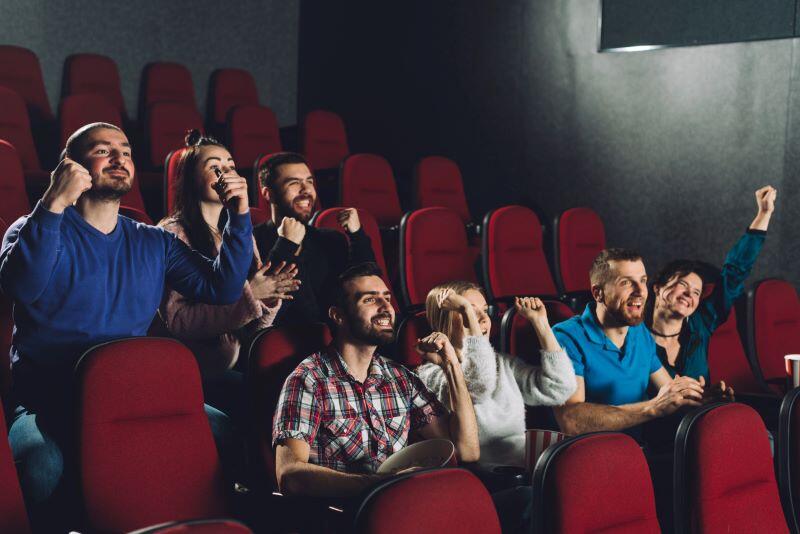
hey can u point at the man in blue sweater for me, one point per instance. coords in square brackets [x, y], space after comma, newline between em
[80, 274]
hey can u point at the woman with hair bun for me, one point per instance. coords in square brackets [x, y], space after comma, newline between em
[215, 333]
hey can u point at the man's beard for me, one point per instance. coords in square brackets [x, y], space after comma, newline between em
[622, 318]
[287, 210]
[367, 332]
[111, 189]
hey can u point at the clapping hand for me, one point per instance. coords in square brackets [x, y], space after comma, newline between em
[274, 284]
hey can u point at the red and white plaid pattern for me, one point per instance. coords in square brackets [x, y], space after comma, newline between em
[536, 441]
[351, 426]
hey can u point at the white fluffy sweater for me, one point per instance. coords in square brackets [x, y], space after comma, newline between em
[500, 386]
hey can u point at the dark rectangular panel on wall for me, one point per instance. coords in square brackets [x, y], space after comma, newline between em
[634, 23]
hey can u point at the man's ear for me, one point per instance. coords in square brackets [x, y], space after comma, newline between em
[265, 193]
[336, 315]
[597, 293]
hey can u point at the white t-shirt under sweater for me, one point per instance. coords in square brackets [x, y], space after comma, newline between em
[500, 386]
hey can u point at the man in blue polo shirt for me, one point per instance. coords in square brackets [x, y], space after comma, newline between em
[615, 356]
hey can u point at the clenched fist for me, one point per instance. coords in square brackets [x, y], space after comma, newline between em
[292, 229]
[67, 183]
[765, 198]
[232, 191]
[348, 220]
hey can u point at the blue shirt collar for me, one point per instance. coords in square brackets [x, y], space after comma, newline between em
[593, 329]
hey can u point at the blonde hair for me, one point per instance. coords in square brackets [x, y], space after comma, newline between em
[444, 320]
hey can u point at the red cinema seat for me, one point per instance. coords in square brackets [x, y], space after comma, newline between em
[274, 354]
[6, 331]
[171, 164]
[328, 219]
[13, 517]
[94, 74]
[579, 238]
[728, 361]
[517, 336]
[411, 328]
[20, 71]
[787, 454]
[774, 328]
[433, 250]
[724, 477]
[167, 124]
[597, 482]
[14, 201]
[167, 82]
[147, 454]
[15, 127]
[85, 108]
[514, 262]
[324, 141]
[258, 216]
[198, 526]
[367, 182]
[438, 182]
[135, 214]
[431, 501]
[252, 130]
[229, 88]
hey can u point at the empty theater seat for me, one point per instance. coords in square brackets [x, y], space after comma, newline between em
[438, 182]
[432, 501]
[14, 202]
[579, 238]
[728, 361]
[433, 250]
[517, 336]
[774, 328]
[787, 455]
[81, 109]
[597, 482]
[20, 71]
[367, 182]
[227, 89]
[514, 262]
[724, 477]
[274, 354]
[252, 130]
[13, 517]
[167, 124]
[94, 74]
[147, 454]
[15, 127]
[324, 140]
[413, 327]
[167, 82]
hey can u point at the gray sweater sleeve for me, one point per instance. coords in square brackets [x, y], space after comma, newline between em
[549, 385]
[480, 371]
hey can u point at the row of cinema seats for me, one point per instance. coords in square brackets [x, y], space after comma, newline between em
[147, 457]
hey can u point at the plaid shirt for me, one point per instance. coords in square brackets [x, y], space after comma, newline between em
[351, 426]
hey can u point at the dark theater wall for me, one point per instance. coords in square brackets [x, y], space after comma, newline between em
[258, 35]
[667, 145]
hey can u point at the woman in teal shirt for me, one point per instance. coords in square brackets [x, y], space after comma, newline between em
[679, 322]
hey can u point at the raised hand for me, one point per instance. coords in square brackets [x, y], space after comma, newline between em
[765, 200]
[292, 229]
[232, 191]
[68, 181]
[447, 299]
[531, 308]
[348, 220]
[274, 284]
[437, 349]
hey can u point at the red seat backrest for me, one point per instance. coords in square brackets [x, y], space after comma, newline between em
[229, 88]
[776, 325]
[14, 202]
[6, 331]
[607, 474]
[442, 501]
[258, 216]
[580, 236]
[517, 335]
[168, 82]
[727, 359]
[728, 476]
[167, 124]
[15, 127]
[21, 72]
[147, 454]
[367, 182]
[96, 74]
[81, 109]
[514, 258]
[198, 526]
[135, 214]
[274, 354]
[411, 329]
[13, 516]
[170, 176]
[438, 182]
[252, 130]
[434, 250]
[324, 139]
[787, 456]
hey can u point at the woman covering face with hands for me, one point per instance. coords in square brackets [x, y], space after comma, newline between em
[206, 182]
[500, 385]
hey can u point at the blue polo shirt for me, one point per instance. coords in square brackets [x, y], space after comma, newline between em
[612, 376]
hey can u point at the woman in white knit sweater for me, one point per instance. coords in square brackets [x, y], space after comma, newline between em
[500, 385]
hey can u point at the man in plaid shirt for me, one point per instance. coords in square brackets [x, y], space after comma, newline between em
[346, 409]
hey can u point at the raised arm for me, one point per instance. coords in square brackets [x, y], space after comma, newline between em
[360, 247]
[30, 247]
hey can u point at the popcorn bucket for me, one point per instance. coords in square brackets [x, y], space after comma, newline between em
[536, 441]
